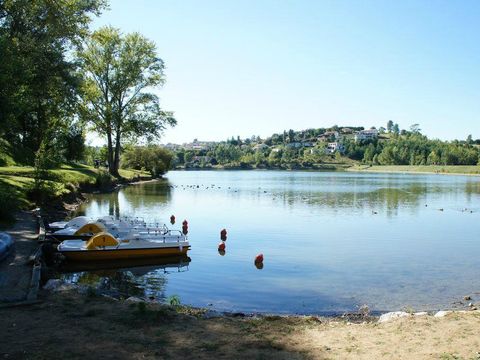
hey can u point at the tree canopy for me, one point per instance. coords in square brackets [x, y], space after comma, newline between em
[39, 81]
[120, 70]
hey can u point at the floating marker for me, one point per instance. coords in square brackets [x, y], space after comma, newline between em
[172, 219]
[259, 265]
[185, 227]
[259, 258]
[223, 235]
[221, 246]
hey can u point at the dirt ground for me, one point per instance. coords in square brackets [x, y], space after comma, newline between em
[15, 271]
[69, 326]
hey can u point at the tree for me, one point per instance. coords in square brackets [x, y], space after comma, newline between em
[390, 126]
[396, 129]
[38, 78]
[119, 71]
[415, 129]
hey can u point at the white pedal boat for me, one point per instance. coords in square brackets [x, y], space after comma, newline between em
[104, 246]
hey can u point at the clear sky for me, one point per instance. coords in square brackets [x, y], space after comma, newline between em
[255, 67]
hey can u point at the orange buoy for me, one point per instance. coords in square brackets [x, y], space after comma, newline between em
[259, 258]
[223, 235]
[221, 246]
[172, 219]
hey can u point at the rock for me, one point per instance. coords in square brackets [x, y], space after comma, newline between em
[134, 299]
[56, 285]
[210, 314]
[421, 313]
[443, 313]
[53, 284]
[467, 298]
[392, 316]
[470, 304]
[474, 308]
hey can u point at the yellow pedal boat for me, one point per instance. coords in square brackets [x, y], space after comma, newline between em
[104, 246]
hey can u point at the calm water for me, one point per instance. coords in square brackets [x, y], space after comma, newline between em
[331, 241]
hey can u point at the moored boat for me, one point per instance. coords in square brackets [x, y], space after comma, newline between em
[104, 246]
[83, 228]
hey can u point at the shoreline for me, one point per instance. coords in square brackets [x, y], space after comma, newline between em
[354, 168]
[130, 328]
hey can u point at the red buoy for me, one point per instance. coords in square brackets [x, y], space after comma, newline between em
[223, 235]
[172, 219]
[259, 258]
[221, 246]
[185, 227]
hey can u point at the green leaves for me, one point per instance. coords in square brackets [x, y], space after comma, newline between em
[120, 71]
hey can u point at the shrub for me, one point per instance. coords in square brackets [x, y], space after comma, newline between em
[153, 159]
[103, 179]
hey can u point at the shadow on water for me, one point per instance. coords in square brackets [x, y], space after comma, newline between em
[134, 277]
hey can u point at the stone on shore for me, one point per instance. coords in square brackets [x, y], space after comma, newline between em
[56, 285]
[392, 316]
[421, 313]
[443, 313]
[134, 299]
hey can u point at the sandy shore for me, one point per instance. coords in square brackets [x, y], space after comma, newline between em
[66, 325]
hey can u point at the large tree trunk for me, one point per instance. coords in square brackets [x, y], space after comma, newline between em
[116, 160]
[110, 154]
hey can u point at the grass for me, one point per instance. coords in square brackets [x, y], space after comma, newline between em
[17, 181]
[434, 169]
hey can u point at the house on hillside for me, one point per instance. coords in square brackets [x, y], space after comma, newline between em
[294, 145]
[328, 136]
[334, 147]
[260, 147]
[363, 135]
[199, 145]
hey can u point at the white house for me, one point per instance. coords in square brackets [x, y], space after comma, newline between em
[334, 147]
[370, 134]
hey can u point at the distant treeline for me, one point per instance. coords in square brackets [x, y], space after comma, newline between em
[309, 149]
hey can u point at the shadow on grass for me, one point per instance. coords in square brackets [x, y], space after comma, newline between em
[119, 330]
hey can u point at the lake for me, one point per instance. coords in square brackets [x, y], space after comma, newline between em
[332, 241]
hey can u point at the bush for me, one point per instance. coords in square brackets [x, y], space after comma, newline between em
[42, 191]
[153, 159]
[103, 179]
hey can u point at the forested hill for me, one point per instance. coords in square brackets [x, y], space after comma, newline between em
[329, 147]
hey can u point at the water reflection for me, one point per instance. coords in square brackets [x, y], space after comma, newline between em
[131, 277]
[126, 201]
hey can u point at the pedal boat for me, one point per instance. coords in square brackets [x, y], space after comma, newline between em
[81, 228]
[104, 246]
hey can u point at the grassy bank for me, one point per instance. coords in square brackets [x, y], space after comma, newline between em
[73, 325]
[16, 182]
[427, 169]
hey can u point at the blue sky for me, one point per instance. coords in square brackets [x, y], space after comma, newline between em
[255, 67]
